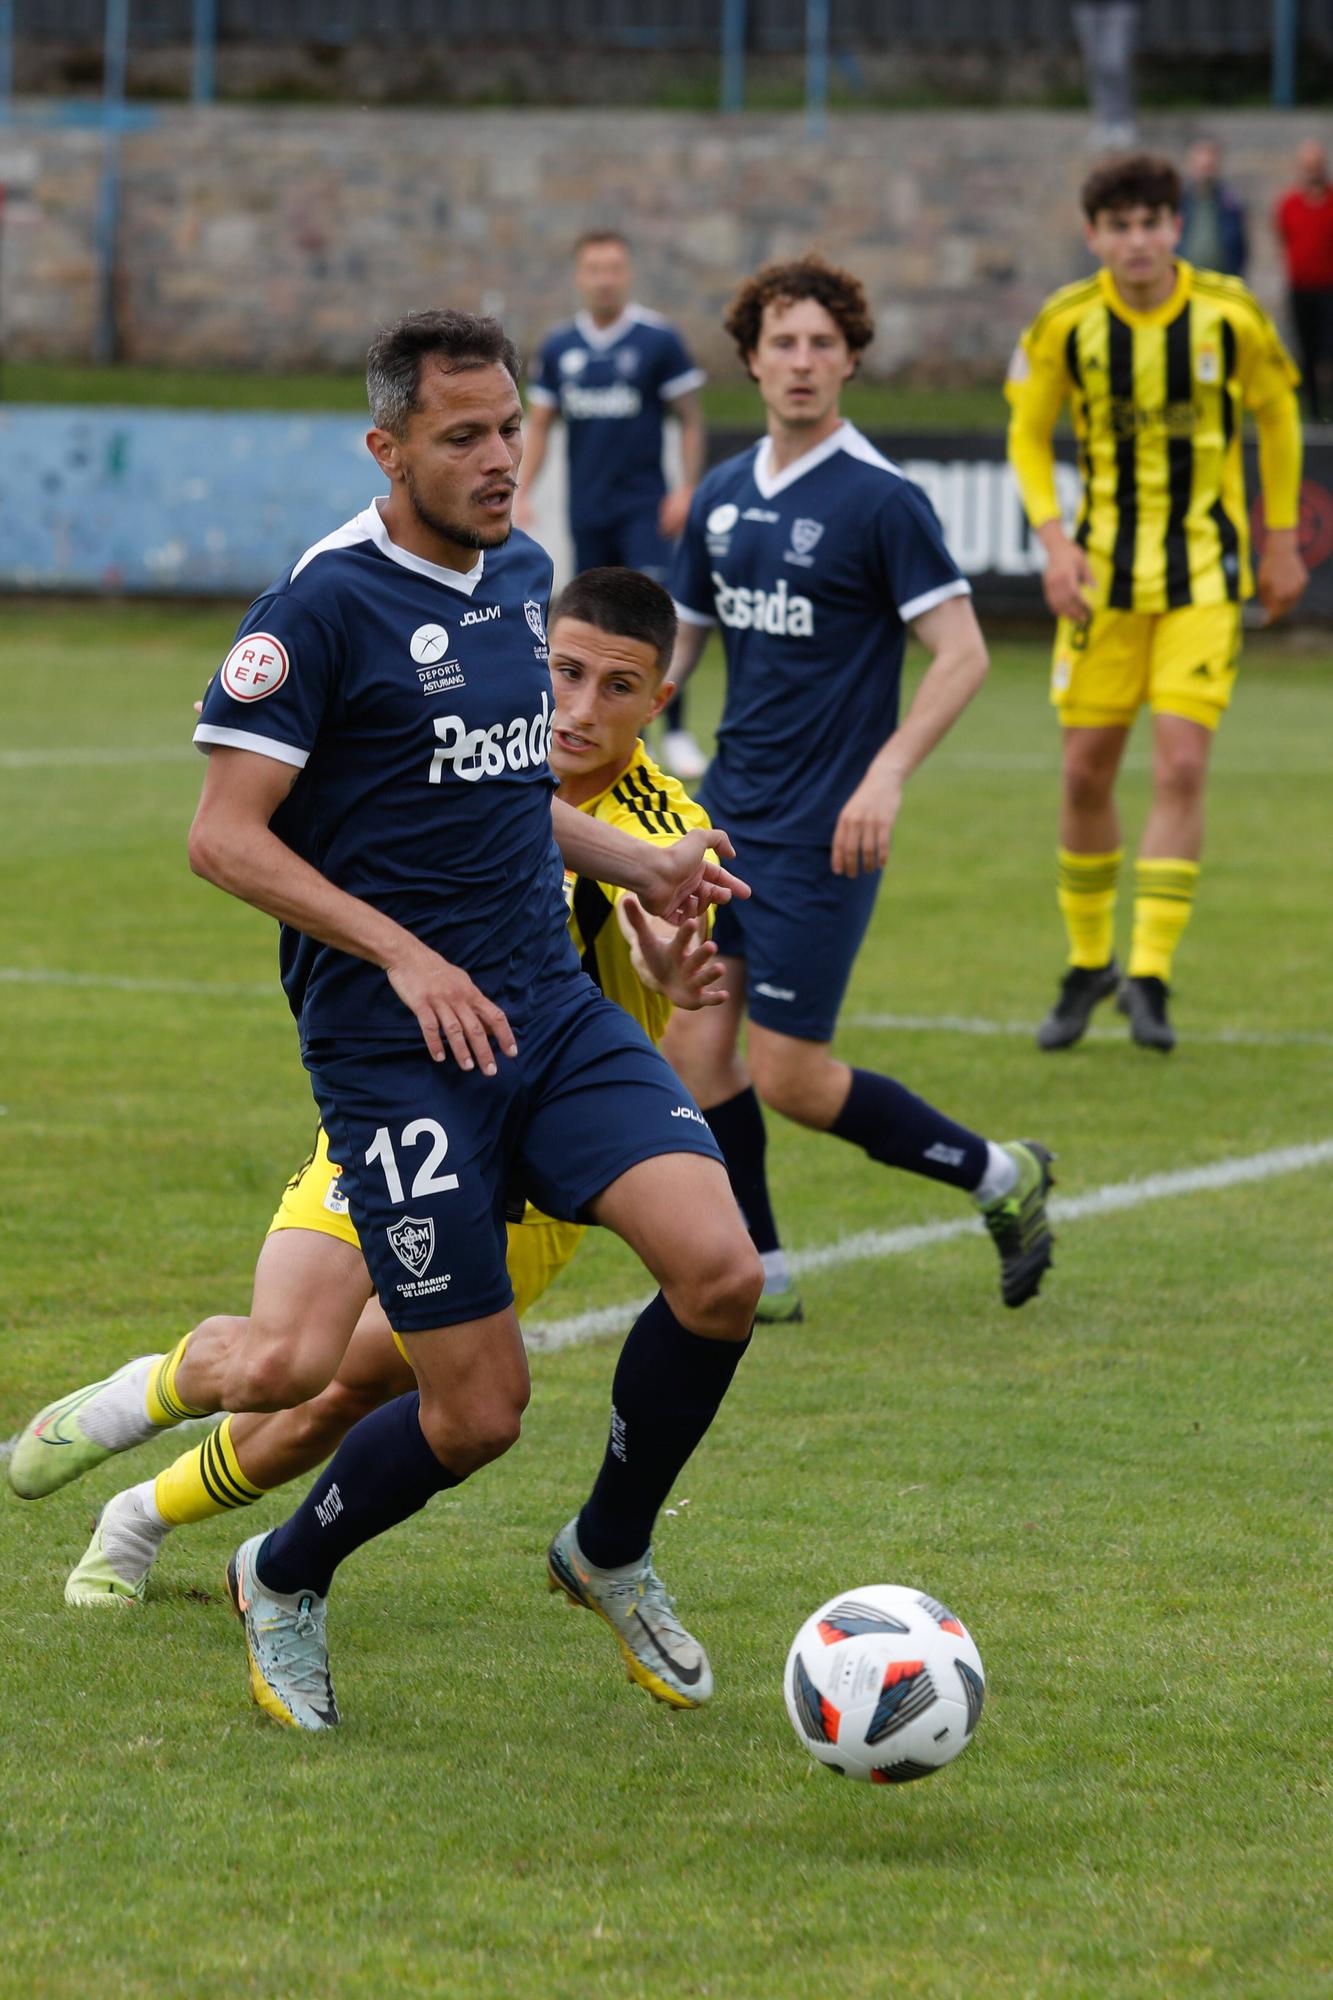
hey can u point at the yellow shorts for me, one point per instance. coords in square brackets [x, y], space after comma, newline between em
[1181, 662]
[539, 1246]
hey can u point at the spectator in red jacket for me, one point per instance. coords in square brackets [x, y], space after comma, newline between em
[1304, 220]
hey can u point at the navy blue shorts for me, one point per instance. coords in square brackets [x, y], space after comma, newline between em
[428, 1150]
[636, 542]
[799, 934]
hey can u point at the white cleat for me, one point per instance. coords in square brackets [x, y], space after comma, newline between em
[284, 1637]
[114, 1567]
[75, 1433]
[682, 755]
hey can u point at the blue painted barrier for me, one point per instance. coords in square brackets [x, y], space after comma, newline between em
[189, 502]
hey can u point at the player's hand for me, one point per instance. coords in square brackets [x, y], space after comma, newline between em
[684, 968]
[864, 832]
[674, 512]
[1067, 580]
[454, 1016]
[685, 881]
[1282, 574]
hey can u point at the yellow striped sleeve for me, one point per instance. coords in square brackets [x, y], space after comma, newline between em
[1037, 384]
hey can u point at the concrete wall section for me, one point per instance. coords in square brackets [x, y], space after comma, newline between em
[280, 237]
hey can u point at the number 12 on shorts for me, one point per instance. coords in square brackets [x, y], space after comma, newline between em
[381, 1153]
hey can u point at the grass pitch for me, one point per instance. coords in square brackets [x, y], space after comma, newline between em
[1123, 1488]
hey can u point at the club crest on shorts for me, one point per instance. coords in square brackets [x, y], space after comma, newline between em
[532, 611]
[412, 1240]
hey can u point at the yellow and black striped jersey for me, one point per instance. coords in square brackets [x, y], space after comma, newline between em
[1157, 400]
[646, 802]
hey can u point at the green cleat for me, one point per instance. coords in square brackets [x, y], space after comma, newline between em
[114, 1567]
[284, 1637]
[1018, 1224]
[659, 1654]
[782, 1308]
[72, 1435]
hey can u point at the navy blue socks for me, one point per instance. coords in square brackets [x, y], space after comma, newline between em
[668, 1385]
[738, 1127]
[382, 1471]
[900, 1130]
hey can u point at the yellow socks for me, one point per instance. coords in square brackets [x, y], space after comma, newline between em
[1086, 894]
[1163, 899]
[204, 1482]
[164, 1405]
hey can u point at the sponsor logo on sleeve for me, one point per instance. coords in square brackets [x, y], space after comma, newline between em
[718, 526]
[256, 666]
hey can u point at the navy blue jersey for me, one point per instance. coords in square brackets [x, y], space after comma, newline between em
[813, 574]
[415, 702]
[612, 384]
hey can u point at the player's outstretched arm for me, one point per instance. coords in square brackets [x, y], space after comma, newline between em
[950, 633]
[536, 437]
[232, 846]
[680, 962]
[676, 882]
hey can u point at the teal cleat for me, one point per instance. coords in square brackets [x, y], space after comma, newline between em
[1018, 1224]
[659, 1654]
[72, 1435]
[284, 1637]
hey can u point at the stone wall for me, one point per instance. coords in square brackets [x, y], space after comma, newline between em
[280, 237]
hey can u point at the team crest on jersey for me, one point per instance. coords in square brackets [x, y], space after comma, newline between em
[412, 1240]
[256, 666]
[1207, 367]
[627, 361]
[804, 536]
[532, 611]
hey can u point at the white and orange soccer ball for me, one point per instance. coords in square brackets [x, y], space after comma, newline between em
[884, 1684]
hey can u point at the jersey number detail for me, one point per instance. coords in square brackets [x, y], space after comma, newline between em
[381, 1152]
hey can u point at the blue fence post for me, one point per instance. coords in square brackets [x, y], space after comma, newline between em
[114, 61]
[1286, 19]
[6, 58]
[733, 55]
[816, 68]
[205, 49]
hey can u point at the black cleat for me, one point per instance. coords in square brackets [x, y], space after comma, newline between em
[1019, 1226]
[1144, 1001]
[1080, 990]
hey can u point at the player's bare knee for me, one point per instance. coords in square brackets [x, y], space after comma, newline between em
[1179, 772]
[1088, 784]
[465, 1436]
[718, 1296]
[272, 1376]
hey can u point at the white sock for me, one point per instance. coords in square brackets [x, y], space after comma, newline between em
[145, 1497]
[1000, 1177]
[777, 1276]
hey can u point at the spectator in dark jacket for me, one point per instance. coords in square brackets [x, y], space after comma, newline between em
[1212, 235]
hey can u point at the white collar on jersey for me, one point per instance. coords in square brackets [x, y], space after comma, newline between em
[771, 483]
[602, 337]
[465, 580]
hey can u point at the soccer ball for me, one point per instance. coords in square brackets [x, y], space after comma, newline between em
[884, 1684]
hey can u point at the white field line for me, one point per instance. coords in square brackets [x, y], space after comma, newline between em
[108, 982]
[82, 759]
[921, 1024]
[543, 1336]
[548, 1336]
[964, 1024]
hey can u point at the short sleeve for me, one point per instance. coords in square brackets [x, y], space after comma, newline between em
[691, 581]
[544, 381]
[1266, 370]
[679, 372]
[915, 563]
[273, 689]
